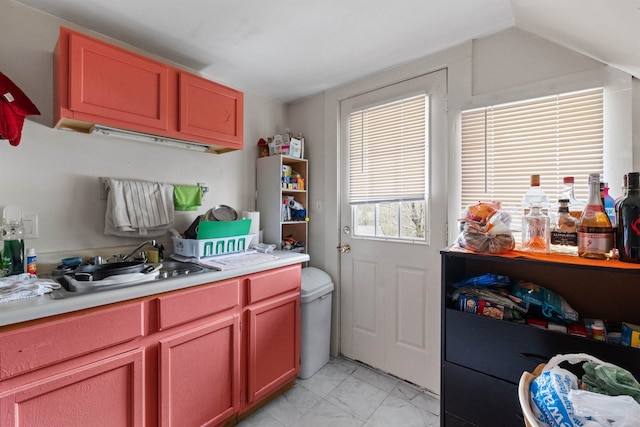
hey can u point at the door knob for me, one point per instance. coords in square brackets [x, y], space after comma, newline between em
[344, 249]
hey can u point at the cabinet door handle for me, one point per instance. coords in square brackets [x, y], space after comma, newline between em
[535, 357]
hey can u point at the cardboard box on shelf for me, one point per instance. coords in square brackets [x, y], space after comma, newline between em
[277, 146]
[630, 335]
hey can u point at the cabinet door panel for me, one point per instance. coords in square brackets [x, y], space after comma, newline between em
[273, 345]
[210, 110]
[480, 399]
[109, 82]
[105, 393]
[199, 374]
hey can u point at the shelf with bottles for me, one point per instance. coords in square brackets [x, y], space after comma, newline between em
[294, 173]
[282, 199]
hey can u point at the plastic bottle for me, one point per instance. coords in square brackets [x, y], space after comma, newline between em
[595, 233]
[13, 247]
[628, 217]
[564, 232]
[31, 261]
[535, 196]
[609, 206]
[535, 231]
[5, 263]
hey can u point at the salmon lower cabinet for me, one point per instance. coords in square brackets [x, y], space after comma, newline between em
[192, 357]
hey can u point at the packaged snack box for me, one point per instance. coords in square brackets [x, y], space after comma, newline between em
[630, 335]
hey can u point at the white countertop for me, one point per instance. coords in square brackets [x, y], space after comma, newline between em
[44, 306]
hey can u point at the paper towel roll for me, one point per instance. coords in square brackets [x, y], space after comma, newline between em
[255, 224]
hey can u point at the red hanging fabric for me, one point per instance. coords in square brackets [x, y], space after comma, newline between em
[14, 106]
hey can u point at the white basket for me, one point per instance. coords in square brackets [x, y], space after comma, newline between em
[201, 248]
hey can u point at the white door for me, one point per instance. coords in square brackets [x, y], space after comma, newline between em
[390, 285]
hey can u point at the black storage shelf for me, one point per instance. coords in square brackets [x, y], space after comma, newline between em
[483, 358]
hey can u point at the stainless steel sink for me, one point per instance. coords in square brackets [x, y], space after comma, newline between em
[177, 268]
[170, 269]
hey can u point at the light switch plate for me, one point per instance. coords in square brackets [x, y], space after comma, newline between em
[30, 224]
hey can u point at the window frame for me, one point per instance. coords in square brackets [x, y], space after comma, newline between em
[427, 158]
[554, 125]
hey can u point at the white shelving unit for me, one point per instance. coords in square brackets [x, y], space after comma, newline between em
[270, 199]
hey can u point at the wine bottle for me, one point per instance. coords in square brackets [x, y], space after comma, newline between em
[595, 233]
[628, 218]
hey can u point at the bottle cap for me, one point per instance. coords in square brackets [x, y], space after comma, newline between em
[568, 180]
[535, 180]
[31, 251]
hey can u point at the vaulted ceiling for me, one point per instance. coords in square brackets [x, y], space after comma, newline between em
[289, 49]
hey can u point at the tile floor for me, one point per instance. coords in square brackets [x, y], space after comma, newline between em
[345, 393]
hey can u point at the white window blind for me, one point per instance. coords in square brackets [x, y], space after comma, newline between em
[387, 151]
[556, 136]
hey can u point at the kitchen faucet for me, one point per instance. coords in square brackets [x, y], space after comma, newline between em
[123, 258]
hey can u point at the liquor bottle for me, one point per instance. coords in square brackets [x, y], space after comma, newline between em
[628, 241]
[535, 196]
[564, 232]
[568, 192]
[623, 194]
[595, 233]
[609, 206]
[535, 231]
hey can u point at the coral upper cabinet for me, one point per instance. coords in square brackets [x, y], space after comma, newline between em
[98, 83]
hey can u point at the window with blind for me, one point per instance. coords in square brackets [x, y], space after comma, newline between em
[388, 168]
[555, 136]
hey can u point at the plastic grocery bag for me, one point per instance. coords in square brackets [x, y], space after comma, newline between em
[618, 411]
[552, 405]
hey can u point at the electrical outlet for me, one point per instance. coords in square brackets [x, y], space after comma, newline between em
[30, 224]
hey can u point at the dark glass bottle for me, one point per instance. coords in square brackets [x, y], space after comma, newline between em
[628, 241]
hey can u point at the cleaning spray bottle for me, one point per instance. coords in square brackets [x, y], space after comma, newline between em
[13, 238]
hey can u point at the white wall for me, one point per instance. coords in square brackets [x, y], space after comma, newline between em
[503, 67]
[54, 173]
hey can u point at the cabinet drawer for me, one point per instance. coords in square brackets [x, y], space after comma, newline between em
[37, 346]
[274, 282]
[505, 350]
[187, 305]
[479, 400]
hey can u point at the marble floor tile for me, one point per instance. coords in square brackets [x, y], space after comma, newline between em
[260, 419]
[417, 397]
[375, 378]
[327, 378]
[345, 393]
[395, 411]
[325, 414]
[292, 405]
[357, 397]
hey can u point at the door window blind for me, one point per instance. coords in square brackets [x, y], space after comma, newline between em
[555, 136]
[387, 151]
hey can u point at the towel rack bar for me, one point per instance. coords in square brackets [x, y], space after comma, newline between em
[104, 187]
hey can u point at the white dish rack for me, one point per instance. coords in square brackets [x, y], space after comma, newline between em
[202, 248]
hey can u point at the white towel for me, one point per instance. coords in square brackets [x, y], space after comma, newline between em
[25, 285]
[138, 208]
